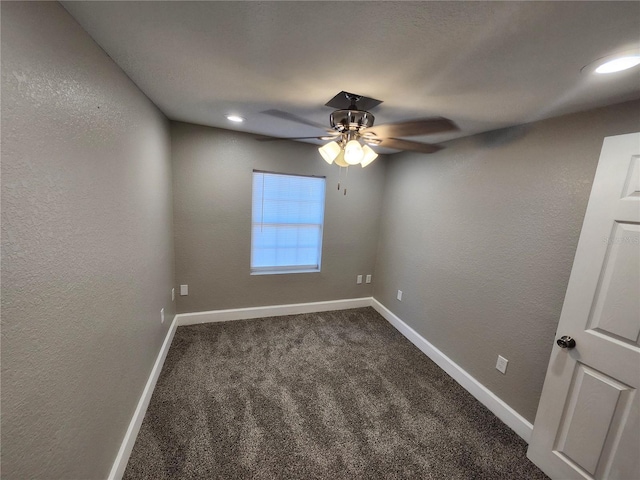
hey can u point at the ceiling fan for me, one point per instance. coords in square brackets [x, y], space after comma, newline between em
[352, 126]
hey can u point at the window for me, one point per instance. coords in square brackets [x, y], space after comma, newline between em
[287, 219]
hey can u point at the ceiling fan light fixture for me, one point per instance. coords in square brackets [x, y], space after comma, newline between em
[353, 132]
[340, 159]
[330, 152]
[353, 152]
[369, 156]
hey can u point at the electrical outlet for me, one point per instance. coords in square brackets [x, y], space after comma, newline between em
[184, 290]
[501, 364]
[368, 280]
[399, 297]
[162, 315]
[173, 294]
[359, 279]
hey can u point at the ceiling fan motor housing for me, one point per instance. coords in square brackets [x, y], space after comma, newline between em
[351, 120]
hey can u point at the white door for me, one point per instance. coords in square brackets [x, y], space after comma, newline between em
[587, 425]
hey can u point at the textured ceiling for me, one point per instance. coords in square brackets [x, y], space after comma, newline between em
[485, 65]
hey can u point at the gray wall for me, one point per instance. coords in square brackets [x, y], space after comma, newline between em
[480, 237]
[212, 171]
[87, 254]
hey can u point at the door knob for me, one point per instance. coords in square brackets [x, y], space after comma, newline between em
[566, 342]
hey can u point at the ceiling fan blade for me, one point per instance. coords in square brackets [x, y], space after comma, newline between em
[411, 128]
[293, 118]
[274, 139]
[399, 144]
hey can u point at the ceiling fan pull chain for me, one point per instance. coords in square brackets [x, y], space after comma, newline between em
[346, 175]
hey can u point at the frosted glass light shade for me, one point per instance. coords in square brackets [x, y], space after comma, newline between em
[369, 156]
[353, 152]
[340, 160]
[329, 152]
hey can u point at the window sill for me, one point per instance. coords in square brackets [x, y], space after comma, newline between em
[282, 272]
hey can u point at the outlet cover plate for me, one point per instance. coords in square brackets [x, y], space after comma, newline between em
[501, 364]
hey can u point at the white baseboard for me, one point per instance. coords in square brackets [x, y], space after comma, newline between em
[120, 464]
[500, 409]
[270, 311]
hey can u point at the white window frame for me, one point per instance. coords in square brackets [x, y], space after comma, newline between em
[285, 269]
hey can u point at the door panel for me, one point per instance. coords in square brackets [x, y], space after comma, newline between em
[592, 413]
[632, 185]
[624, 459]
[587, 420]
[616, 307]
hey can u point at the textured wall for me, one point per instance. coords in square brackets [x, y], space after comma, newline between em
[212, 171]
[87, 254]
[481, 237]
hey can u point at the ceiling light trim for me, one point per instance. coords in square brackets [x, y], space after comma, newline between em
[592, 68]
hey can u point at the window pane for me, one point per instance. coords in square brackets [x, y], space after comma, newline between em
[264, 257]
[287, 216]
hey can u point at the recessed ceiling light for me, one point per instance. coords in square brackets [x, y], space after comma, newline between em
[235, 118]
[619, 64]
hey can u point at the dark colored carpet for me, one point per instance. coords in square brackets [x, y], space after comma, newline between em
[334, 395]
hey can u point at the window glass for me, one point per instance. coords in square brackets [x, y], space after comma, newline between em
[287, 221]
